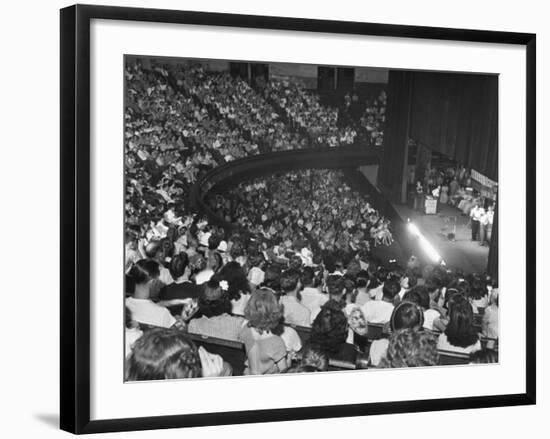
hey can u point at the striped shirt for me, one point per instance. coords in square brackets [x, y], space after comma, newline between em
[223, 326]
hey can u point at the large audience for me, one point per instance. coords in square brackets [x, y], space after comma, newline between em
[289, 279]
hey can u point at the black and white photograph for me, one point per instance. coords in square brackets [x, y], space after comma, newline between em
[287, 218]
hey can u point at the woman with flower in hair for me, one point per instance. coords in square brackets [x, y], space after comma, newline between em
[266, 352]
[238, 287]
[214, 315]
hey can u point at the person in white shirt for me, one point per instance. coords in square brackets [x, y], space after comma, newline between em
[294, 312]
[486, 223]
[361, 283]
[312, 298]
[475, 214]
[143, 309]
[132, 332]
[379, 311]
[213, 264]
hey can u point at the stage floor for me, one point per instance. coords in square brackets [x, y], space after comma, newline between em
[461, 253]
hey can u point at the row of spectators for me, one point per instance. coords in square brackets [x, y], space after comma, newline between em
[235, 100]
[169, 140]
[182, 121]
[312, 206]
[236, 290]
[304, 110]
[298, 251]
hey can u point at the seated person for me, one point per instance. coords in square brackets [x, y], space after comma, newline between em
[460, 334]
[329, 332]
[312, 297]
[238, 287]
[213, 317]
[143, 309]
[361, 283]
[406, 315]
[295, 313]
[312, 360]
[379, 311]
[176, 293]
[162, 354]
[411, 348]
[489, 323]
[266, 352]
[132, 332]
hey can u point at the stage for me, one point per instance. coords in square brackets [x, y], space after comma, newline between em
[461, 252]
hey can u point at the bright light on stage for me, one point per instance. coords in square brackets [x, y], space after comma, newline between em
[425, 244]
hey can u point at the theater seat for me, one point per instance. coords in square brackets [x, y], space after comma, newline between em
[304, 332]
[230, 350]
[447, 358]
[489, 343]
[375, 330]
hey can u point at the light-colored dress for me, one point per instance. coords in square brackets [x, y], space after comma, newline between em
[266, 352]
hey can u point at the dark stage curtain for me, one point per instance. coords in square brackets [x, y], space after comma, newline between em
[492, 264]
[325, 78]
[457, 115]
[391, 174]
[259, 73]
[345, 79]
[239, 70]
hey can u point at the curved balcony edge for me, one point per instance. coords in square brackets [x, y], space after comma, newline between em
[263, 164]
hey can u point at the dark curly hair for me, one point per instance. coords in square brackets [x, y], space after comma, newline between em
[161, 354]
[330, 328]
[213, 301]
[235, 276]
[411, 348]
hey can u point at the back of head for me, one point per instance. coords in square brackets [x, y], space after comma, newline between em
[478, 289]
[307, 276]
[233, 273]
[390, 289]
[144, 271]
[213, 241]
[460, 330]
[418, 295]
[330, 328]
[178, 264]
[314, 358]
[263, 310]
[411, 348]
[289, 280]
[213, 301]
[163, 354]
[406, 315]
[362, 279]
[335, 286]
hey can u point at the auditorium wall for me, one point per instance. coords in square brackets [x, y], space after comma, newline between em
[371, 173]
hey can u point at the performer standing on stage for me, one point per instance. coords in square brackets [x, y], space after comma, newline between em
[475, 214]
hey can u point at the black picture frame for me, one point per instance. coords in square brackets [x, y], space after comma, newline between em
[75, 217]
